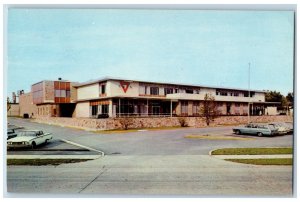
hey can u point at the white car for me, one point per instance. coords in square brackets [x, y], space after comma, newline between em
[29, 138]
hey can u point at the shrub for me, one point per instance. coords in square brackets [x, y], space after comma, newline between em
[126, 123]
[182, 122]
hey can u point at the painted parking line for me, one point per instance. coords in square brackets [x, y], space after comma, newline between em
[82, 146]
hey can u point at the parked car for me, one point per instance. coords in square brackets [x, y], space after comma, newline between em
[256, 129]
[29, 138]
[290, 126]
[281, 127]
[11, 133]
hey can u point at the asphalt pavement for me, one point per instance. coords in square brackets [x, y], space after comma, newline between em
[151, 163]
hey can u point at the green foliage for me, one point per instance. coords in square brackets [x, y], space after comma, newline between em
[273, 96]
[182, 122]
[275, 161]
[8, 104]
[290, 98]
[252, 151]
[209, 109]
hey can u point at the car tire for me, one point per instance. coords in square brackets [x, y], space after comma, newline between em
[238, 132]
[33, 145]
[259, 134]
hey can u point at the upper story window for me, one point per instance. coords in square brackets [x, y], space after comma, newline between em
[236, 94]
[168, 91]
[62, 93]
[197, 91]
[189, 91]
[223, 93]
[176, 90]
[154, 91]
[102, 88]
[247, 93]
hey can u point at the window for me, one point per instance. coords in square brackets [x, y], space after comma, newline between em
[62, 93]
[217, 92]
[154, 90]
[189, 91]
[184, 107]
[104, 109]
[102, 89]
[168, 91]
[223, 93]
[196, 108]
[176, 90]
[197, 91]
[94, 110]
[68, 93]
[143, 90]
[236, 94]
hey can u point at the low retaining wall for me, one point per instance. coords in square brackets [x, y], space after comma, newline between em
[120, 123]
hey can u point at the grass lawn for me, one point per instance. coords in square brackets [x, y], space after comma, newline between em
[276, 161]
[42, 162]
[252, 151]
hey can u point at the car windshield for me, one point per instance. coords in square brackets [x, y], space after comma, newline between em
[27, 133]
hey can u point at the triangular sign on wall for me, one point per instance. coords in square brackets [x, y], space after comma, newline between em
[124, 85]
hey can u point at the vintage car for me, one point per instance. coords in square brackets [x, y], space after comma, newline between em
[29, 138]
[290, 126]
[11, 133]
[256, 129]
[281, 127]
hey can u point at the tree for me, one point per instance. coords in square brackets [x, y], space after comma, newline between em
[273, 96]
[290, 99]
[209, 109]
[8, 104]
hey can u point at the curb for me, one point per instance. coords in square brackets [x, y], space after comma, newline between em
[90, 157]
[82, 146]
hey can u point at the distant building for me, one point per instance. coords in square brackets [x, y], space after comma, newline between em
[118, 98]
[49, 98]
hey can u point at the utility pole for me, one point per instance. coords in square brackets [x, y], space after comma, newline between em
[249, 93]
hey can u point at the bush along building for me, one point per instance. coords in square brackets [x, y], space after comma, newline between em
[115, 97]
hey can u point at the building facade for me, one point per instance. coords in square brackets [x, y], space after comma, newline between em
[53, 98]
[122, 98]
[115, 97]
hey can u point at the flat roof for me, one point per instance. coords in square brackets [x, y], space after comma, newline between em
[155, 82]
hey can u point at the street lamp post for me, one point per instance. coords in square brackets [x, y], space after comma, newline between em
[249, 93]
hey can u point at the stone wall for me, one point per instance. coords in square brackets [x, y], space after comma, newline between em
[116, 123]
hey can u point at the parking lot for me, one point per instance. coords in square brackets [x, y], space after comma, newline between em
[150, 162]
[158, 142]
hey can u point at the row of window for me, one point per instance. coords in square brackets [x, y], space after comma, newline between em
[236, 94]
[153, 90]
[98, 109]
[62, 93]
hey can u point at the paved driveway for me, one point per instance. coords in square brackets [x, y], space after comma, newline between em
[163, 142]
[153, 162]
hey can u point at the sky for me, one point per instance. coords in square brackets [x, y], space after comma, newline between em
[211, 48]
